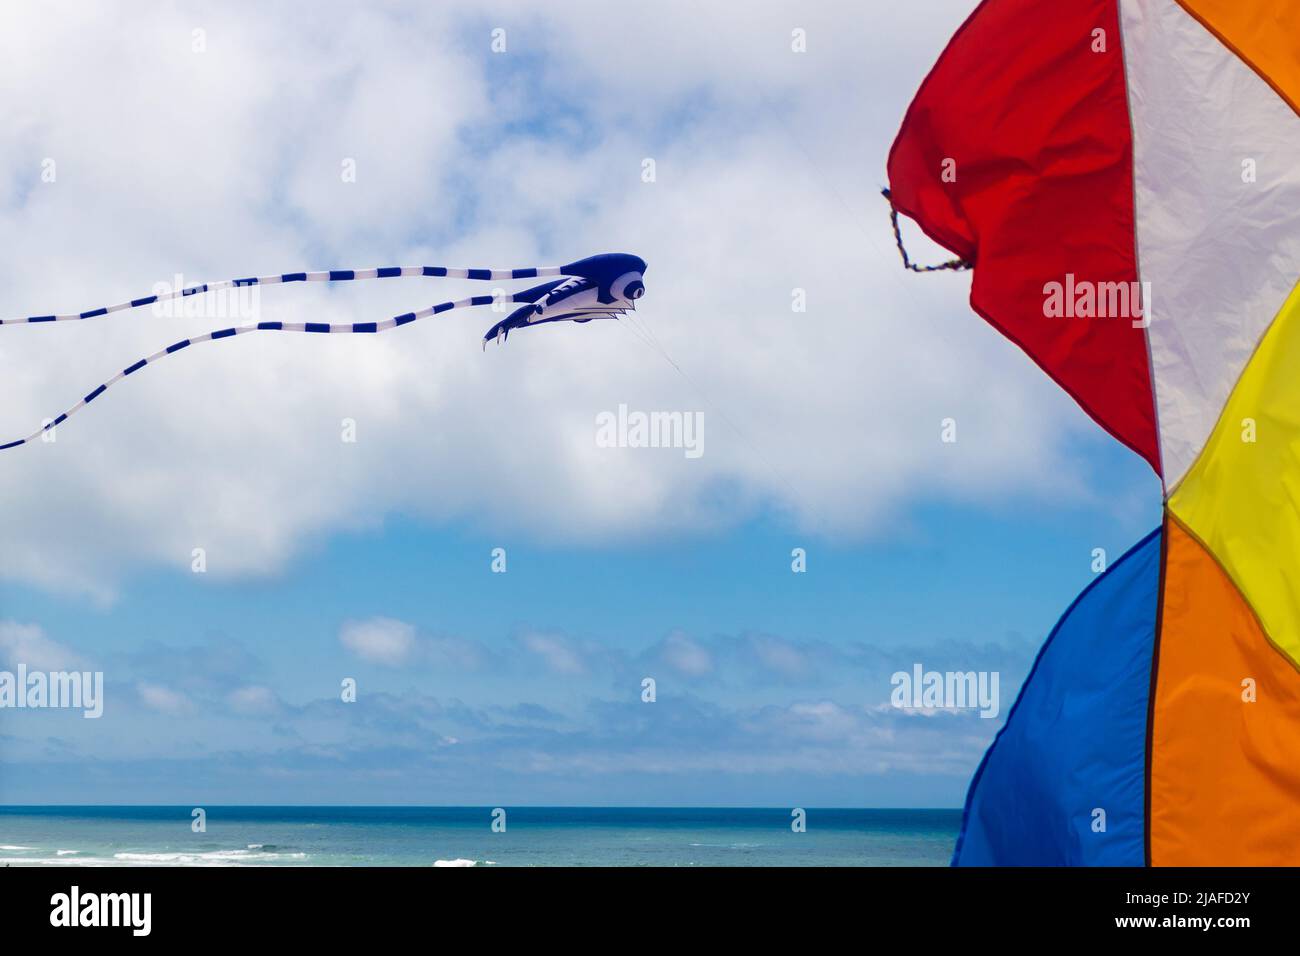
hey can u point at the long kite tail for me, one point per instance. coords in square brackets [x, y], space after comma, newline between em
[527, 295]
[333, 275]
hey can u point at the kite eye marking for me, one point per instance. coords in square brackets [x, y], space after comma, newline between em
[628, 286]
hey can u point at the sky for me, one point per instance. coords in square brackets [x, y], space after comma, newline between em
[220, 140]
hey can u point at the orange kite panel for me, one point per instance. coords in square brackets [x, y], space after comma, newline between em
[1264, 33]
[1224, 769]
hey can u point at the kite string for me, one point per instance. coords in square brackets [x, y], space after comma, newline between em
[649, 338]
[332, 275]
[955, 265]
[323, 327]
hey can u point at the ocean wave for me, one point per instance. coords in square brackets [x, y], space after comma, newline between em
[86, 861]
[727, 846]
[209, 858]
[250, 856]
[463, 862]
[10, 846]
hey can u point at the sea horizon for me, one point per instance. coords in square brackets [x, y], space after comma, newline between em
[435, 835]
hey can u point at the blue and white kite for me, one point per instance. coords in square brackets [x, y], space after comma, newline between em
[598, 287]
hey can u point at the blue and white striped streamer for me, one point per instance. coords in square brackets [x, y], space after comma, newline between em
[333, 275]
[320, 327]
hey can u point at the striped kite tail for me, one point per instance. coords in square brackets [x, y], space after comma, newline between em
[527, 295]
[332, 275]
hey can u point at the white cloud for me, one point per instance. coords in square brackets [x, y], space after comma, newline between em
[228, 163]
[686, 656]
[381, 640]
[253, 700]
[558, 653]
[28, 644]
[164, 699]
[781, 657]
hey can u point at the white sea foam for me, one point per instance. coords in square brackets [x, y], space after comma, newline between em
[10, 846]
[67, 852]
[463, 862]
[210, 858]
[86, 861]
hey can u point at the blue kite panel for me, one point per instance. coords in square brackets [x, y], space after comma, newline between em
[1064, 782]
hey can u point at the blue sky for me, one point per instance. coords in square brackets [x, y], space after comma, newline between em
[373, 560]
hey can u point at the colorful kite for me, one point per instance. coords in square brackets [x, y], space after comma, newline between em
[1124, 178]
[598, 287]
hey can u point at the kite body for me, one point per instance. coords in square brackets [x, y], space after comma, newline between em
[603, 286]
[1124, 176]
[600, 287]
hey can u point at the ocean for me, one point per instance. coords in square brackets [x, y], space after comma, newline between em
[463, 836]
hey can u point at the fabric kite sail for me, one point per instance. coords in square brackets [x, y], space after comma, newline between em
[1124, 178]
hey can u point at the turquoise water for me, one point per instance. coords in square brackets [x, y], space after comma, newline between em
[463, 836]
